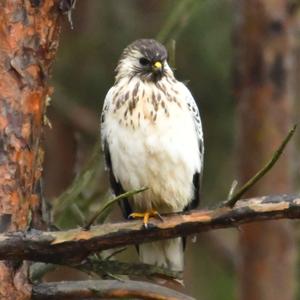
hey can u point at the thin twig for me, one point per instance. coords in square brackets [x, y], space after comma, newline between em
[108, 203]
[174, 24]
[78, 213]
[114, 253]
[276, 155]
[232, 189]
[172, 53]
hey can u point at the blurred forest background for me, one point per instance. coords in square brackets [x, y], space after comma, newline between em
[83, 73]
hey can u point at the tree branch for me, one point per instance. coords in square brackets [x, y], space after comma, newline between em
[74, 245]
[104, 289]
[261, 173]
[104, 267]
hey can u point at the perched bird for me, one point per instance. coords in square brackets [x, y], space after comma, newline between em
[152, 137]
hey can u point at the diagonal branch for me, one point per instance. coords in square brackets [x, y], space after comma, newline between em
[104, 289]
[261, 173]
[109, 203]
[76, 244]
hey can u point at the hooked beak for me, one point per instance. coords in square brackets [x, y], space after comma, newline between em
[157, 67]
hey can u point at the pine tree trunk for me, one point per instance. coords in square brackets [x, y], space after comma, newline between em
[262, 76]
[29, 33]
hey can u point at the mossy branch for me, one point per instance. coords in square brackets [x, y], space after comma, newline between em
[103, 267]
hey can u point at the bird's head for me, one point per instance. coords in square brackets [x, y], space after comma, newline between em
[145, 58]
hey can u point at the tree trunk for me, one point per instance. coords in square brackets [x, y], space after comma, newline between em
[262, 74]
[28, 42]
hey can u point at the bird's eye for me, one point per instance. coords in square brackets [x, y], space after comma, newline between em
[144, 61]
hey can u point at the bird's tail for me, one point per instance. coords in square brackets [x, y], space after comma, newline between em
[167, 254]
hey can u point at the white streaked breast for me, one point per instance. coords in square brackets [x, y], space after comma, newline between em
[157, 148]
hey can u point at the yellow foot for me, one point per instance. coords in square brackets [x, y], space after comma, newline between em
[146, 215]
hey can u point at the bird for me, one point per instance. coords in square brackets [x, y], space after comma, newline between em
[151, 136]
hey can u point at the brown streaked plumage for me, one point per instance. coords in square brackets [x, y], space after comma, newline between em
[152, 136]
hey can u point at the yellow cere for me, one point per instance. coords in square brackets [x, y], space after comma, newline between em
[157, 65]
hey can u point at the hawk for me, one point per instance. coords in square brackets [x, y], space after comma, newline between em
[152, 137]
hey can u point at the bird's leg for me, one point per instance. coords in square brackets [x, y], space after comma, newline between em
[146, 215]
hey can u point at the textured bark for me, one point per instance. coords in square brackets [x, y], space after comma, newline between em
[263, 62]
[72, 246]
[28, 42]
[108, 289]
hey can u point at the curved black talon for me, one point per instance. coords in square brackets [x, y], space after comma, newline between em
[149, 226]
